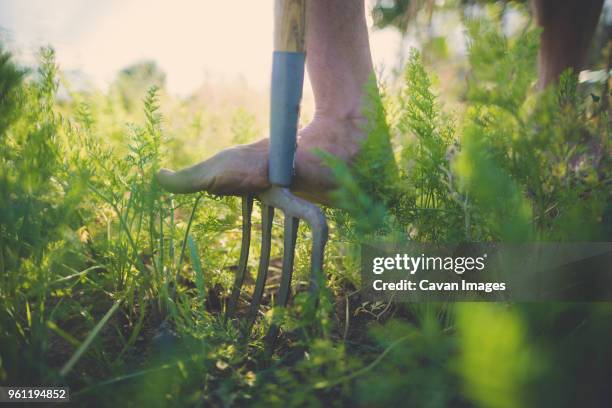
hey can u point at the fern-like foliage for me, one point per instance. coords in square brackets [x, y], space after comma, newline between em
[521, 164]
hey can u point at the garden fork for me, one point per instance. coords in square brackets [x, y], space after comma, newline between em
[286, 93]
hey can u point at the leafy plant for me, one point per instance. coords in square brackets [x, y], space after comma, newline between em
[107, 281]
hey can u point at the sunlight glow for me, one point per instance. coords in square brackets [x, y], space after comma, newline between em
[191, 40]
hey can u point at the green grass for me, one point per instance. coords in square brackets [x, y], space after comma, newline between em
[115, 288]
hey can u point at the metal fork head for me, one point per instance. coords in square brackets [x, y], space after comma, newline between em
[294, 209]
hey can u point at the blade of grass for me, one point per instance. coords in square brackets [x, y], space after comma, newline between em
[125, 377]
[85, 345]
[191, 216]
[63, 334]
[137, 328]
[28, 314]
[171, 237]
[77, 274]
[197, 266]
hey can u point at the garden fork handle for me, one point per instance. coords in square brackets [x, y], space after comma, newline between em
[286, 88]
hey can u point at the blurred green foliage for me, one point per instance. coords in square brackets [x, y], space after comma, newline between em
[115, 288]
[519, 165]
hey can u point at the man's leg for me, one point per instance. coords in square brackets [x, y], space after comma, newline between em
[339, 65]
[567, 30]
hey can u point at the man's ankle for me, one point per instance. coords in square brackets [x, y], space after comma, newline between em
[355, 118]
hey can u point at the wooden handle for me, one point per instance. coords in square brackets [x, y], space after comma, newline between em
[290, 25]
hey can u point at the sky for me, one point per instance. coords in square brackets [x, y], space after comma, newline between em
[191, 40]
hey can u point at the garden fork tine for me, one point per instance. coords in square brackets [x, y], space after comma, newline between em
[287, 82]
[267, 216]
[247, 209]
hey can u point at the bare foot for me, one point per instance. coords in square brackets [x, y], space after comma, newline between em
[244, 169]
